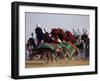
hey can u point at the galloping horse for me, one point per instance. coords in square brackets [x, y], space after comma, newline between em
[70, 37]
[64, 37]
[45, 53]
[67, 40]
[58, 33]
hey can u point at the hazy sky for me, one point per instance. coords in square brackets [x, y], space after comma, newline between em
[49, 21]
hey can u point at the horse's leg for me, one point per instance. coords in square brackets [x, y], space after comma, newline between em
[44, 56]
[31, 56]
[41, 54]
[65, 55]
[49, 57]
[62, 58]
[76, 49]
[57, 57]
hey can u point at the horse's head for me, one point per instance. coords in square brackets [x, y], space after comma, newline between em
[31, 42]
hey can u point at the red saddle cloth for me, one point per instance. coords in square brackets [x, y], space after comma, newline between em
[70, 37]
[55, 32]
[66, 36]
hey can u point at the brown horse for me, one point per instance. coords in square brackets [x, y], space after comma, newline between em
[58, 33]
[45, 53]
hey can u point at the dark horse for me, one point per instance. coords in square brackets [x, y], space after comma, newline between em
[86, 41]
[45, 53]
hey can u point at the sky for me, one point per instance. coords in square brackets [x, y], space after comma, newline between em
[51, 20]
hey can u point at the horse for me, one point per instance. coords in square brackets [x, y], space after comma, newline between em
[64, 37]
[58, 33]
[47, 38]
[45, 53]
[86, 41]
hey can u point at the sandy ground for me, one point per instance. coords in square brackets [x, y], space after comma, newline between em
[67, 62]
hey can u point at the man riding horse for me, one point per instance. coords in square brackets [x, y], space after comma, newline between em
[51, 42]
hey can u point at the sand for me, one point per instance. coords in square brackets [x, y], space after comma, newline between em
[67, 62]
